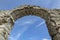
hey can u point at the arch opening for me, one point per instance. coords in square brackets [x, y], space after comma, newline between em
[30, 27]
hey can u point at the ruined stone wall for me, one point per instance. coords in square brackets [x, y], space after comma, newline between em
[8, 17]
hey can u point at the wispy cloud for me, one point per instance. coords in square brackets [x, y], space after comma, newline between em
[26, 22]
[15, 37]
[40, 24]
[36, 38]
[19, 33]
[11, 38]
[46, 39]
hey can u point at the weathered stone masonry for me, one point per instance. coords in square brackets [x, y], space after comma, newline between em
[8, 17]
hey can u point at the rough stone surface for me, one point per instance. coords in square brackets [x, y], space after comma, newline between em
[8, 17]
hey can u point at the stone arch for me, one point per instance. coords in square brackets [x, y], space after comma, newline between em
[31, 10]
[8, 17]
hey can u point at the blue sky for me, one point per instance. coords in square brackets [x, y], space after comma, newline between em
[29, 27]
[10, 4]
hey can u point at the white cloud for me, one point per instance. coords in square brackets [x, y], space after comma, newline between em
[26, 22]
[14, 38]
[19, 33]
[11, 38]
[40, 24]
[46, 39]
